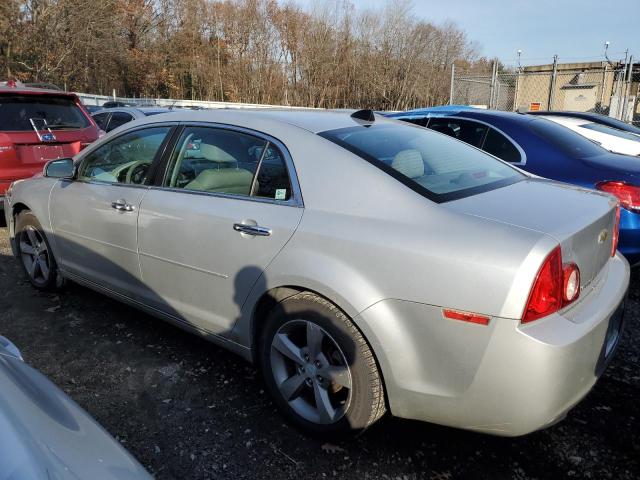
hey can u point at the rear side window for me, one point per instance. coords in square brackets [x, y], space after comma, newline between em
[432, 165]
[225, 161]
[469, 132]
[500, 146]
[17, 112]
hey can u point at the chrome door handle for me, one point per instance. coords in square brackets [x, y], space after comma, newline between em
[122, 206]
[252, 230]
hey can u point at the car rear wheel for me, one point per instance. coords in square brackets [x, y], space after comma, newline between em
[318, 367]
[34, 252]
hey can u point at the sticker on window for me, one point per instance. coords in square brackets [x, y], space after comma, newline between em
[281, 193]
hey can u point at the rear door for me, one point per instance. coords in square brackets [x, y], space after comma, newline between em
[228, 204]
[95, 217]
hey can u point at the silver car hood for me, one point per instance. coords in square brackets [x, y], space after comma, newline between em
[575, 220]
[44, 434]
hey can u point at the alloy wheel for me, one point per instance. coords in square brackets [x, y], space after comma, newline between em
[35, 255]
[311, 372]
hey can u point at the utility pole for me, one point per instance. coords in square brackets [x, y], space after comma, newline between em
[453, 76]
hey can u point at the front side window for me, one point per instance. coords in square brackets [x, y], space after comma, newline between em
[216, 160]
[18, 112]
[101, 120]
[118, 119]
[430, 164]
[500, 146]
[125, 159]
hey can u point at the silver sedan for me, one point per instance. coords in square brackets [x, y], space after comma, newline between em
[45, 435]
[363, 264]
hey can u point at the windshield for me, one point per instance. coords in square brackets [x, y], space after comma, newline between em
[58, 112]
[568, 141]
[432, 164]
[611, 131]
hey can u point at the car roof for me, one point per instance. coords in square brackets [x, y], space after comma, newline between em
[312, 120]
[566, 120]
[21, 90]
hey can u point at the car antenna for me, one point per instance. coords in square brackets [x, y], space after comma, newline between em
[365, 115]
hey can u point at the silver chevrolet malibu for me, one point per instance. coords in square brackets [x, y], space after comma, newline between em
[364, 265]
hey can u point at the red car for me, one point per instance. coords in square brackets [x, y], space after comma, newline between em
[38, 125]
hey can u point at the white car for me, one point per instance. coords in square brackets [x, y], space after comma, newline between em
[612, 139]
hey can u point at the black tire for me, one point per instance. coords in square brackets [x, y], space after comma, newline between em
[27, 229]
[365, 402]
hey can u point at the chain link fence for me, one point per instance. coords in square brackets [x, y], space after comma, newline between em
[600, 88]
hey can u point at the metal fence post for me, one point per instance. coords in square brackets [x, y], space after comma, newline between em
[627, 90]
[494, 75]
[552, 85]
[453, 76]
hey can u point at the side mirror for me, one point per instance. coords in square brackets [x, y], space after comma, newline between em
[60, 168]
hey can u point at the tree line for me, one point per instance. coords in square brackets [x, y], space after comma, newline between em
[258, 51]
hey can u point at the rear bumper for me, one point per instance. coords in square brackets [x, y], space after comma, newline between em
[505, 378]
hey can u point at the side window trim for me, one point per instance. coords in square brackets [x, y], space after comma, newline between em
[296, 195]
[160, 154]
[523, 155]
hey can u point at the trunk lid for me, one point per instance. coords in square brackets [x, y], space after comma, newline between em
[581, 220]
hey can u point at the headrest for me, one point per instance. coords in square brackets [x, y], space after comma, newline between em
[409, 163]
[227, 180]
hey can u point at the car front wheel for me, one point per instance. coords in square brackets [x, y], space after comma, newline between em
[34, 252]
[319, 368]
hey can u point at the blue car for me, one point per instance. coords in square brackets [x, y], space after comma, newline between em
[549, 150]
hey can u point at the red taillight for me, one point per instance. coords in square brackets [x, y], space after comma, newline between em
[616, 233]
[555, 286]
[466, 316]
[629, 195]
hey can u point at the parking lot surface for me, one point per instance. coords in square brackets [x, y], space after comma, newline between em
[190, 410]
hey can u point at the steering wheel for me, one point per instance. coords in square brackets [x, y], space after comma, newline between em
[137, 172]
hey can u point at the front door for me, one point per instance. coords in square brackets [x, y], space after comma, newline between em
[95, 217]
[224, 211]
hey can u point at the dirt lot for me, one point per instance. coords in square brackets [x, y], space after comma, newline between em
[187, 409]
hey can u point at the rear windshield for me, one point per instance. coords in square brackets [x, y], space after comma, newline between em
[598, 127]
[438, 167]
[59, 113]
[565, 139]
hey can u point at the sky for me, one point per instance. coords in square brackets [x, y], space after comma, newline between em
[575, 30]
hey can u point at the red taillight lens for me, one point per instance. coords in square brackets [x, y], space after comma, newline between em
[616, 233]
[555, 286]
[629, 195]
[546, 296]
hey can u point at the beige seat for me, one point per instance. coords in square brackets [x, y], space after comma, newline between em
[224, 180]
[409, 163]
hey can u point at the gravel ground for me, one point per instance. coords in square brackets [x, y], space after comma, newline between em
[190, 410]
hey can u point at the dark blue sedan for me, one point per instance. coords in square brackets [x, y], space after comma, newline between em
[549, 150]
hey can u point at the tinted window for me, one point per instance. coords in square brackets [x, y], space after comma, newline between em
[568, 141]
[500, 146]
[598, 127]
[101, 120]
[117, 119]
[430, 164]
[125, 159]
[464, 130]
[225, 161]
[58, 113]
